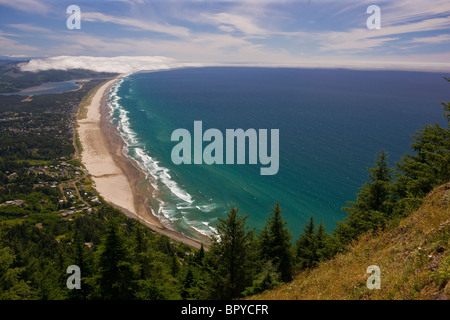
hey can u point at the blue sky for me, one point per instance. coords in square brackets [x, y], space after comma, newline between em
[414, 35]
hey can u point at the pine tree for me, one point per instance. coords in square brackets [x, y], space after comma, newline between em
[373, 203]
[324, 243]
[306, 246]
[429, 166]
[230, 255]
[380, 178]
[81, 259]
[115, 274]
[313, 246]
[276, 243]
[199, 256]
[140, 251]
[187, 284]
[174, 265]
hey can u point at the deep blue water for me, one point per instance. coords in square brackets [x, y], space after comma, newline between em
[331, 124]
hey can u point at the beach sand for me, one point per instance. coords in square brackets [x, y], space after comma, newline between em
[116, 178]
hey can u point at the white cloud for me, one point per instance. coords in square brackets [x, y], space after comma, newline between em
[226, 28]
[238, 22]
[26, 5]
[362, 38]
[443, 38]
[28, 28]
[13, 47]
[407, 11]
[125, 64]
[137, 24]
[122, 64]
[251, 32]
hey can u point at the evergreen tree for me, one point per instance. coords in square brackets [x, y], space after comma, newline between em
[230, 255]
[380, 177]
[187, 284]
[306, 246]
[115, 274]
[200, 255]
[276, 243]
[140, 251]
[313, 246]
[418, 173]
[372, 206]
[324, 243]
[174, 265]
[81, 259]
[429, 166]
[267, 279]
[12, 284]
[446, 106]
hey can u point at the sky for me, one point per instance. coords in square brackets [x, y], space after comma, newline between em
[127, 35]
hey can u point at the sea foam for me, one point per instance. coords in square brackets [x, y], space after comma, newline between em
[158, 175]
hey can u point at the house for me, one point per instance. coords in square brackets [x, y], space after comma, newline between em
[19, 203]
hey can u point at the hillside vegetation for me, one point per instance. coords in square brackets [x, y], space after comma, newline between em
[413, 258]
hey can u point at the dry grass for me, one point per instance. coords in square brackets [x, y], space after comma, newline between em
[413, 257]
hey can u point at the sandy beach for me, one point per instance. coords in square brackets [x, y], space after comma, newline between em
[116, 178]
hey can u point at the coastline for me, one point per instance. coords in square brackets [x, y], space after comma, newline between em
[116, 178]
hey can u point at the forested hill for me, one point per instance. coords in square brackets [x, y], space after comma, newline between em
[413, 259]
[12, 79]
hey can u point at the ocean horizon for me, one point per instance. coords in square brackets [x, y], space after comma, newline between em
[331, 124]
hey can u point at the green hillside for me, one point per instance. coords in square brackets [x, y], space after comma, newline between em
[13, 79]
[413, 258]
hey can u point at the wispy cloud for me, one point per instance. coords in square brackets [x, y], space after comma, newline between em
[408, 11]
[12, 47]
[28, 28]
[26, 5]
[264, 32]
[137, 24]
[443, 38]
[360, 39]
[233, 22]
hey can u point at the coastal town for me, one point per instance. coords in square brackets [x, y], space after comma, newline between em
[64, 186]
[38, 172]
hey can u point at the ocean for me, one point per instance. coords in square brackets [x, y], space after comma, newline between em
[331, 125]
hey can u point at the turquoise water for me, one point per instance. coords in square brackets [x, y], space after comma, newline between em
[331, 125]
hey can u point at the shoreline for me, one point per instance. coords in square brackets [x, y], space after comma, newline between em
[116, 178]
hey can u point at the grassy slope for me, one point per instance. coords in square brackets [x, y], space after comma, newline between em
[413, 257]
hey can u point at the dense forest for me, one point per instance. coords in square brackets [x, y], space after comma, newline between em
[119, 258]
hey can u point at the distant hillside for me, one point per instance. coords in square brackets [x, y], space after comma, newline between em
[12, 79]
[413, 258]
